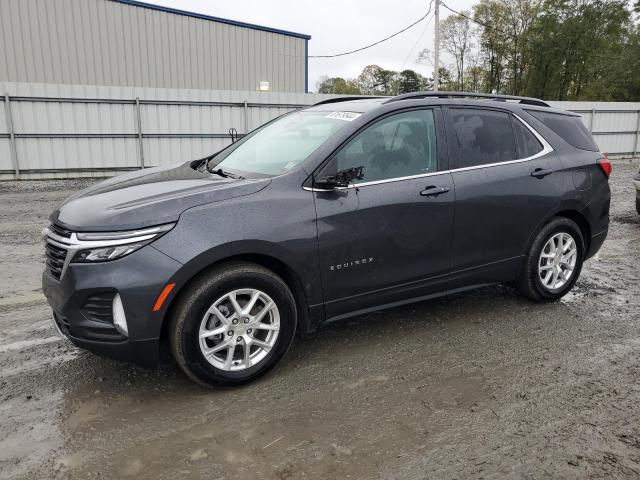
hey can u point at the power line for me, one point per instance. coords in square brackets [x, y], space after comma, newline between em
[375, 43]
[419, 37]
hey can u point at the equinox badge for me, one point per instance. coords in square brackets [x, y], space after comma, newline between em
[352, 263]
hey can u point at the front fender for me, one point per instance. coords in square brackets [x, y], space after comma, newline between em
[277, 225]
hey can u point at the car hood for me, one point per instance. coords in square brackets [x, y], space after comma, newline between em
[147, 197]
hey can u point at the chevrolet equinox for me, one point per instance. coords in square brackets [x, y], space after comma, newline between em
[346, 207]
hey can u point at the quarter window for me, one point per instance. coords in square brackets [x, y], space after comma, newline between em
[569, 127]
[401, 145]
[483, 136]
[528, 144]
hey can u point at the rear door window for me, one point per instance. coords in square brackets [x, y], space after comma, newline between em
[569, 127]
[483, 136]
[527, 143]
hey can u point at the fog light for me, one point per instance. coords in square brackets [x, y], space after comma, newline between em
[119, 319]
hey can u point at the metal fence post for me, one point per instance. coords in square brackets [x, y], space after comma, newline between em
[12, 136]
[637, 139]
[139, 123]
[246, 118]
[593, 114]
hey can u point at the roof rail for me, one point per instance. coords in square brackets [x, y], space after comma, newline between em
[346, 99]
[486, 96]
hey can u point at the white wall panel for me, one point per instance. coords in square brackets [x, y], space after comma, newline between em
[3, 116]
[619, 121]
[76, 153]
[99, 136]
[616, 144]
[61, 117]
[163, 151]
[5, 156]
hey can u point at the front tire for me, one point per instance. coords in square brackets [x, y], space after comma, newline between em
[554, 261]
[233, 325]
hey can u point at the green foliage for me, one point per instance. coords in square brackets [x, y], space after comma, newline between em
[558, 49]
[408, 81]
[375, 80]
[338, 85]
[578, 51]
[552, 49]
[456, 38]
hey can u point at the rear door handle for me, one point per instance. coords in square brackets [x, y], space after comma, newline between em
[434, 191]
[541, 172]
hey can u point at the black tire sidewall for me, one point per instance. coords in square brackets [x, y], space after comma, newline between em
[560, 225]
[202, 298]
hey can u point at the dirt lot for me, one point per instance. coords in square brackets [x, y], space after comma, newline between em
[477, 385]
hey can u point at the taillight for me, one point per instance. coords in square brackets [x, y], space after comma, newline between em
[605, 165]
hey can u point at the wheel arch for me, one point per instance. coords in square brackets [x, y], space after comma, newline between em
[205, 263]
[579, 220]
[569, 213]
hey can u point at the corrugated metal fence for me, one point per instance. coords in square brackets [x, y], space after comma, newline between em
[55, 131]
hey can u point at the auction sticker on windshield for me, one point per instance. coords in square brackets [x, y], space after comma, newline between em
[346, 116]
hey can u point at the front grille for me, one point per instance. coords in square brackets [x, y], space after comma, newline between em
[54, 259]
[57, 241]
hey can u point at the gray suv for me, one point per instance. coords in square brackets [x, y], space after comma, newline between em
[349, 206]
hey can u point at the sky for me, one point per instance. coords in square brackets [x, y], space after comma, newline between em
[339, 25]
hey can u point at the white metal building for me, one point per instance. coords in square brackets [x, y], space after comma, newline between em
[133, 44]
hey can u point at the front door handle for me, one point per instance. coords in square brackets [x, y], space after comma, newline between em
[541, 172]
[434, 191]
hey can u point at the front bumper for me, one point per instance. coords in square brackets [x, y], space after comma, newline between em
[138, 279]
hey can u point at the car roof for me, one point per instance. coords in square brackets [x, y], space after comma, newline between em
[366, 104]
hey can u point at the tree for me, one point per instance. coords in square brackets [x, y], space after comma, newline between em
[409, 81]
[581, 51]
[519, 16]
[444, 79]
[493, 41]
[555, 49]
[375, 80]
[552, 49]
[455, 38]
[337, 85]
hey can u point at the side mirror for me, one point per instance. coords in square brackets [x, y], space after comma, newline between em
[341, 179]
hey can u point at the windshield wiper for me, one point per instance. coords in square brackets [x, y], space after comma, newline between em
[225, 174]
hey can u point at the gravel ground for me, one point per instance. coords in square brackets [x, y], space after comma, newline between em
[476, 385]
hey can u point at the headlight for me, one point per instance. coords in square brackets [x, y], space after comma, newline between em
[106, 246]
[105, 254]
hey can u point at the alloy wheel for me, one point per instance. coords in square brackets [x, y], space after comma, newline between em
[239, 329]
[557, 261]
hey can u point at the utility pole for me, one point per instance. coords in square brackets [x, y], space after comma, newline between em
[436, 48]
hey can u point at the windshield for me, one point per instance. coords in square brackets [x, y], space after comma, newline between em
[281, 145]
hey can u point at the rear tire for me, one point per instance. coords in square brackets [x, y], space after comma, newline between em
[233, 325]
[554, 261]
